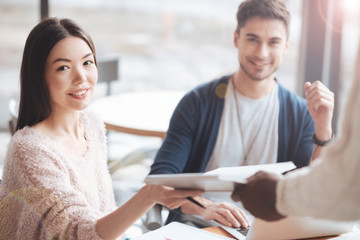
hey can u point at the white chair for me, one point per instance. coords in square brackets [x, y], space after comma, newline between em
[134, 157]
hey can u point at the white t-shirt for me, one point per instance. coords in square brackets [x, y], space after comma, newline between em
[259, 127]
[257, 131]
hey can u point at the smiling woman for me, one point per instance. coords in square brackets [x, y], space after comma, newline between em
[36, 64]
[70, 76]
[56, 184]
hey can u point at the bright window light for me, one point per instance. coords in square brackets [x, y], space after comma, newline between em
[351, 5]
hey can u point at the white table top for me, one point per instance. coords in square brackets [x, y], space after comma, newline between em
[140, 113]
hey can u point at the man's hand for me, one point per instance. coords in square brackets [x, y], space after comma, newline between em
[258, 195]
[224, 212]
[227, 214]
[320, 103]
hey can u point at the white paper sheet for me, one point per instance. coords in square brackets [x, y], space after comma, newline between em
[179, 231]
[241, 173]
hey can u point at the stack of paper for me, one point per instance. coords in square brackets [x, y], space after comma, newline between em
[179, 231]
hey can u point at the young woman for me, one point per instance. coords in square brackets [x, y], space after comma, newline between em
[55, 182]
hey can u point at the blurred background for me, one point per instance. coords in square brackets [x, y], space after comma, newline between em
[179, 44]
[175, 44]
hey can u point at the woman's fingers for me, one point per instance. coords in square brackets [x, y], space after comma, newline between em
[169, 196]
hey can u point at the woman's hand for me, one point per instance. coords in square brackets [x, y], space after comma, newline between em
[114, 224]
[168, 196]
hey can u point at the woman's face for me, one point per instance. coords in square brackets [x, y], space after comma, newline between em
[70, 74]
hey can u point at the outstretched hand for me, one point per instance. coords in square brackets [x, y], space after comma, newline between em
[258, 195]
[168, 196]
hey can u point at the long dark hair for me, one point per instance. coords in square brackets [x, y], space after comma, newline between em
[34, 97]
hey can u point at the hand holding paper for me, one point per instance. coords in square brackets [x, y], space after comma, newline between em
[258, 195]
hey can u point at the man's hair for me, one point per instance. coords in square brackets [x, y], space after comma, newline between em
[35, 103]
[266, 9]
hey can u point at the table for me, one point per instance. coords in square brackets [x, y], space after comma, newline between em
[140, 113]
[222, 232]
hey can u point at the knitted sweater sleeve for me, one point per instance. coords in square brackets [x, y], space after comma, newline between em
[329, 188]
[44, 201]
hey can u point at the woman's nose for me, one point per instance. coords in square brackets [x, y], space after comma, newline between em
[79, 76]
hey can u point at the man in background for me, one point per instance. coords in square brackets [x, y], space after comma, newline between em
[245, 118]
[327, 189]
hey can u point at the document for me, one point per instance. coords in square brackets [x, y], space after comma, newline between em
[179, 231]
[218, 180]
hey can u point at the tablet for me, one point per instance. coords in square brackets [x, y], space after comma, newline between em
[218, 180]
[199, 181]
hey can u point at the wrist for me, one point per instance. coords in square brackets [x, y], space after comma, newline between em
[191, 208]
[145, 194]
[323, 133]
[321, 142]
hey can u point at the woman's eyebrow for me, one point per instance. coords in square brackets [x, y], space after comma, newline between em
[68, 60]
[61, 60]
[87, 55]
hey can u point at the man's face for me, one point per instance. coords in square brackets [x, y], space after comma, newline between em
[261, 45]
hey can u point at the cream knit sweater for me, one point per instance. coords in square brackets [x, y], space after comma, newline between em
[49, 193]
[330, 187]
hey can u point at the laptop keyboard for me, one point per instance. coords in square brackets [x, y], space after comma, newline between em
[242, 230]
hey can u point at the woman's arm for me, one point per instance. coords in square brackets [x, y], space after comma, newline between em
[116, 223]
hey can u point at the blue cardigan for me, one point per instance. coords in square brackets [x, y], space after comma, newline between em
[194, 126]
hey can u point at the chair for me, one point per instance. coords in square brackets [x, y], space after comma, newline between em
[12, 107]
[154, 218]
[108, 70]
[136, 156]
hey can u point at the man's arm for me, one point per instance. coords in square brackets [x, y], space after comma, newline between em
[174, 155]
[175, 150]
[320, 103]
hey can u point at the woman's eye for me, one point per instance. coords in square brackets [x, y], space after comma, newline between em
[62, 68]
[88, 62]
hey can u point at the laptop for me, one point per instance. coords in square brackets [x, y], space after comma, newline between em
[291, 228]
